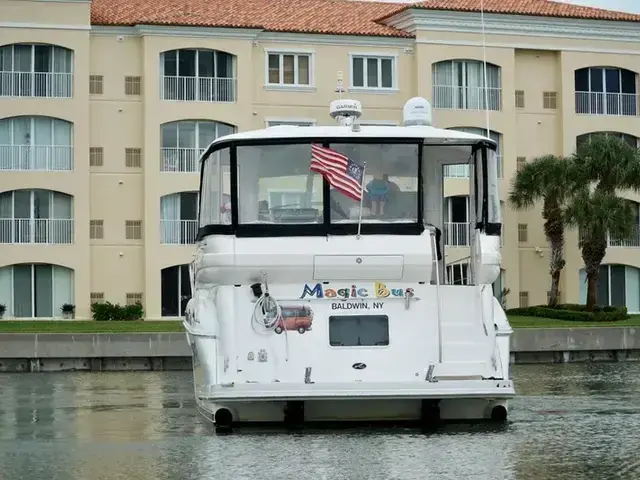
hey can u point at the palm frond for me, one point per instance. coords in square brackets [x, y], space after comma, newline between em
[544, 177]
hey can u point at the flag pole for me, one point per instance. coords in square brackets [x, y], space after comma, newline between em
[364, 169]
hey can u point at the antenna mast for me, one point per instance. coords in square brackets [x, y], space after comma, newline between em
[484, 68]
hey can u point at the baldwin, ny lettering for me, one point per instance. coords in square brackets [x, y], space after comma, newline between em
[357, 306]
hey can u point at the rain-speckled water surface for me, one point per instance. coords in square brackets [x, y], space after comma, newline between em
[569, 422]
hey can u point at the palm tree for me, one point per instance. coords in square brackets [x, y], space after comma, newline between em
[602, 166]
[546, 178]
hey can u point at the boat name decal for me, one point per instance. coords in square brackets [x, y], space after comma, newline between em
[380, 290]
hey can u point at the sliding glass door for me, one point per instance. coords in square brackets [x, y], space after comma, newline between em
[35, 290]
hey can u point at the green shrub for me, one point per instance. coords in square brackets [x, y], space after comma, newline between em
[573, 313]
[107, 311]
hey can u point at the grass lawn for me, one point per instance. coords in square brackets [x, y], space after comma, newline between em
[84, 326]
[540, 322]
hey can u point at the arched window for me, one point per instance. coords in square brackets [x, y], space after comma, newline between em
[630, 139]
[606, 91]
[184, 141]
[618, 285]
[36, 216]
[460, 85]
[36, 143]
[36, 70]
[198, 75]
[175, 290]
[179, 218]
[35, 290]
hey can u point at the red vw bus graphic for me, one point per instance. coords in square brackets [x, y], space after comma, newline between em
[295, 318]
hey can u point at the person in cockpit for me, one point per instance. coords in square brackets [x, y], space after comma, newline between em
[381, 191]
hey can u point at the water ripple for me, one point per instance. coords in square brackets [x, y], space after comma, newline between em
[568, 422]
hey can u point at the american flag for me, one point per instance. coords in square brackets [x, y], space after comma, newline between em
[342, 173]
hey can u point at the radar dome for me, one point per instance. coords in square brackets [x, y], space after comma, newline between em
[417, 111]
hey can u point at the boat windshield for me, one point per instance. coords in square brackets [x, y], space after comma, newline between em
[276, 185]
[273, 185]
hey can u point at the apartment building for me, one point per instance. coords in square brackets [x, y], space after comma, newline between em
[105, 107]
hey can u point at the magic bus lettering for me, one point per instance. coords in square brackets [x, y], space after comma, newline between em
[380, 290]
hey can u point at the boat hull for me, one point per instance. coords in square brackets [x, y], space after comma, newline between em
[455, 400]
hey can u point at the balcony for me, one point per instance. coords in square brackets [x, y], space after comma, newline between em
[604, 103]
[199, 89]
[457, 234]
[49, 231]
[36, 84]
[453, 97]
[178, 232]
[45, 158]
[462, 171]
[633, 242]
[185, 160]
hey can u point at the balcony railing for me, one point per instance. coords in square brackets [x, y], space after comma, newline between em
[180, 159]
[178, 232]
[48, 158]
[51, 231]
[457, 234]
[198, 89]
[633, 242]
[462, 171]
[453, 97]
[36, 84]
[604, 103]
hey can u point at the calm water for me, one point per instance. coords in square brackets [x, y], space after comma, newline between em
[569, 422]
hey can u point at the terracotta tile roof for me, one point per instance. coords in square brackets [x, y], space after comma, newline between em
[336, 17]
[542, 8]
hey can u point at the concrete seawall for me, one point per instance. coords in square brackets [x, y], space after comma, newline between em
[27, 352]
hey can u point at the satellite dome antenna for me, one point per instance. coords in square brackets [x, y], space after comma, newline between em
[346, 112]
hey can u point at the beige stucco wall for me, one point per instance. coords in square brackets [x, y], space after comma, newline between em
[115, 121]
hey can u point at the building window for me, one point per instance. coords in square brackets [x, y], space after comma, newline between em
[36, 70]
[519, 98]
[175, 290]
[96, 297]
[522, 233]
[549, 100]
[618, 286]
[290, 123]
[460, 85]
[179, 218]
[289, 69]
[132, 85]
[35, 290]
[457, 273]
[462, 171]
[373, 72]
[456, 227]
[524, 300]
[96, 229]
[198, 75]
[629, 139]
[36, 216]
[36, 143]
[183, 142]
[133, 157]
[96, 84]
[520, 161]
[96, 156]
[134, 298]
[133, 229]
[606, 91]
